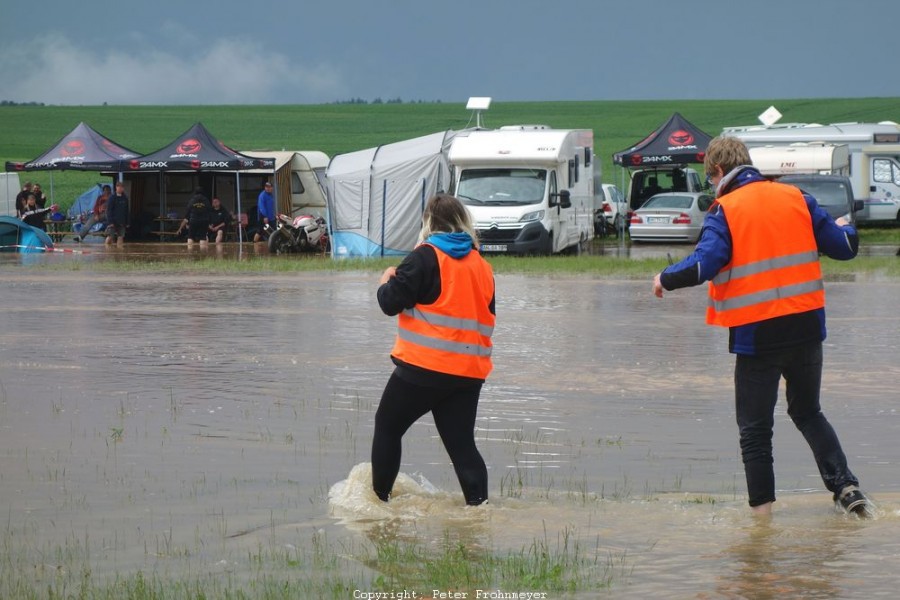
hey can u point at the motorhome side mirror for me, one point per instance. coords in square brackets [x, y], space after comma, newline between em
[858, 205]
[563, 199]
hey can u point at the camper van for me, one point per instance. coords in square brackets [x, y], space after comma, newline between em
[802, 158]
[528, 187]
[818, 168]
[874, 150]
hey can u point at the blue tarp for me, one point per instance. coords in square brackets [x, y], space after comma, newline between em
[85, 202]
[81, 210]
[18, 236]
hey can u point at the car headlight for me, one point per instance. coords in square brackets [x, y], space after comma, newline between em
[536, 215]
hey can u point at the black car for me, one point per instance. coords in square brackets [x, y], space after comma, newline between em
[832, 192]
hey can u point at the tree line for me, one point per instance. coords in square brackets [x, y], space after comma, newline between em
[397, 100]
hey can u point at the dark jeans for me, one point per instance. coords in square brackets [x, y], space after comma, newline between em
[756, 381]
[453, 409]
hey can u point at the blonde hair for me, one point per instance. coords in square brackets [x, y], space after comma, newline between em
[725, 152]
[446, 214]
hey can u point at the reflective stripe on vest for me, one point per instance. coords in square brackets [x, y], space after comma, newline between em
[453, 334]
[447, 321]
[774, 270]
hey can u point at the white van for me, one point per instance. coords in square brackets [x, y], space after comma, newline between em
[530, 188]
[874, 157]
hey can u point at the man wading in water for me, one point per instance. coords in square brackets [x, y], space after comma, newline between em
[759, 249]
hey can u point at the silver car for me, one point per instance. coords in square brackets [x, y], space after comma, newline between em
[670, 217]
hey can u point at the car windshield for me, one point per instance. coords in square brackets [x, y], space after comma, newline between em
[501, 186]
[680, 202]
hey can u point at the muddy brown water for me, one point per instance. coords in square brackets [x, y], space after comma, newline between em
[175, 423]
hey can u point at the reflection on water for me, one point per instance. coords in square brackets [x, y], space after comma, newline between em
[170, 420]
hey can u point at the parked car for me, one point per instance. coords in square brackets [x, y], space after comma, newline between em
[670, 217]
[834, 193]
[613, 208]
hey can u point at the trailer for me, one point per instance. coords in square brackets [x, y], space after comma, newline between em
[874, 150]
[802, 158]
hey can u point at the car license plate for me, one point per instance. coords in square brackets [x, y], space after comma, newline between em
[493, 247]
[657, 219]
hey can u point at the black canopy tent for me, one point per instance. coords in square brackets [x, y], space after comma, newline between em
[82, 149]
[675, 142]
[195, 151]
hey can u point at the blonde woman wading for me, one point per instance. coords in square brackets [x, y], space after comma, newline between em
[443, 294]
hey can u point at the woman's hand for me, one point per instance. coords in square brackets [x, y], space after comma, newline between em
[388, 273]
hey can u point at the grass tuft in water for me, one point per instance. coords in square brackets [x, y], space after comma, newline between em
[322, 570]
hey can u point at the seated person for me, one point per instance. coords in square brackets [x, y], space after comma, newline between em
[98, 215]
[219, 221]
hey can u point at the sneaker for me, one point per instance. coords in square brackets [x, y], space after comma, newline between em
[77, 238]
[853, 501]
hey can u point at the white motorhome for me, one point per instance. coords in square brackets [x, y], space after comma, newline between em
[874, 157]
[802, 159]
[530, 188]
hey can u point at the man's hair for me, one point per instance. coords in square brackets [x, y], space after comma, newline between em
[446, 214]
[725, 152]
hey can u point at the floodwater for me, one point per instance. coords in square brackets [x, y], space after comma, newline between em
[180, 423]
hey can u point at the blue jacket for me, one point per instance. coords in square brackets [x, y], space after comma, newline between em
[265, 206]
[713, 252]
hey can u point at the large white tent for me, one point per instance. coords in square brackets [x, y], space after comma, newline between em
[376, 196]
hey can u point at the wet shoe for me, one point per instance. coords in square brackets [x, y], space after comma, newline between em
[853, 501]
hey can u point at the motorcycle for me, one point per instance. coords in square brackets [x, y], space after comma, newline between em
[303, 233]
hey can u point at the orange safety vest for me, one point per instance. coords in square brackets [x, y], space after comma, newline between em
[774, 268]
[452, 335]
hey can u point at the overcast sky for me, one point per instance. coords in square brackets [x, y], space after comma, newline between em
[268, 52]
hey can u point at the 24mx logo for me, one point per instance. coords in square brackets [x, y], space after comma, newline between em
[139, 164]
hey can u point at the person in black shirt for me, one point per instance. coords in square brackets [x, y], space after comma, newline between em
[117, 216]
[196, 218]
[21, 198]
[219, 221]
[33, 214]
[39, 197]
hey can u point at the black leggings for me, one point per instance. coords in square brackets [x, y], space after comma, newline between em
[453, 409]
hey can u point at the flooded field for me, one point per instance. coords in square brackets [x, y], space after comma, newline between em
[188, 424]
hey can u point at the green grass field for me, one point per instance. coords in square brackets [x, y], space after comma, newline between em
[27, 131]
